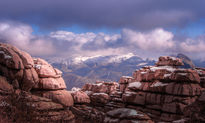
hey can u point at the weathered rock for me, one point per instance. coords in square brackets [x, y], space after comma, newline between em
[60, 96]
[99, 98]
[30, 79]
[5, 87]
[187, 75]
[19, 75]
[123, 115]
[9, 58]
[87, 114]
[39, 109]
[195, 111]
[51, 84]
[162, 91]
[101, 87]
[45, 71]
[124, 80]
[26, 58]
[134, 98]
[80, 97]
[169, 61]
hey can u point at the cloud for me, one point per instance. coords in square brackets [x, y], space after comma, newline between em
[20, 35]
[86, 41]
[193, 46]
[155, 40]
[152, 43]
[135, 14]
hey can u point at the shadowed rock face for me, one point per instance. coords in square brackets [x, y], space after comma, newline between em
[31, 89]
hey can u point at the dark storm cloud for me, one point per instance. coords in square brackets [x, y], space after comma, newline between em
[137, 14]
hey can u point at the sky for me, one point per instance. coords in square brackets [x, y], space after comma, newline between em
[67, 28]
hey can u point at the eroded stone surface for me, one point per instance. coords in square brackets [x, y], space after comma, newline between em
[19, 80]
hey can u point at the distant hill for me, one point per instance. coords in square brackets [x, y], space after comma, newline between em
[186, 60]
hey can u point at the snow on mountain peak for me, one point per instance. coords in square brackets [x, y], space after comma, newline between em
[120, 58]
[96, 58]
[81, 59]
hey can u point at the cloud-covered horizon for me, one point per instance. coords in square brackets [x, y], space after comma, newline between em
[152, 43]
[133, 14]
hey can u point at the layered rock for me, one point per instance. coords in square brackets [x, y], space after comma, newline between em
[31, 89]
[17, 66]
[195, 112]
[201, 72]
[169, 61]
[161, 91]
[106, 105]
[51, 84]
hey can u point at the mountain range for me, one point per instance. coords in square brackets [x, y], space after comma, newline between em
[80, 70]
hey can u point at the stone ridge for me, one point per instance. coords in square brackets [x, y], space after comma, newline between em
[31, 89]
[160, 93]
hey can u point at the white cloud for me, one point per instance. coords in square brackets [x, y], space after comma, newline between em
[193, 46]
[156, 40]
[20, 35]
[64, 43]
[84, 37]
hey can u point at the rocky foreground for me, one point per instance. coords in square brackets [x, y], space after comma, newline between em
[31, 90]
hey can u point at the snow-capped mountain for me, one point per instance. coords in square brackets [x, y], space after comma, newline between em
[77, 70]
[97, 58]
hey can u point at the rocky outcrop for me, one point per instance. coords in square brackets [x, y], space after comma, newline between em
[80, 97]
[31, 89]
[195, 112]
[201, 72]
[51, 85]
[160, 93]
[106, 105]
[169, 61]
[163, 90]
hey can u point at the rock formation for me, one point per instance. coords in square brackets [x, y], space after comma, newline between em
[156, 93]
[31, 90]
